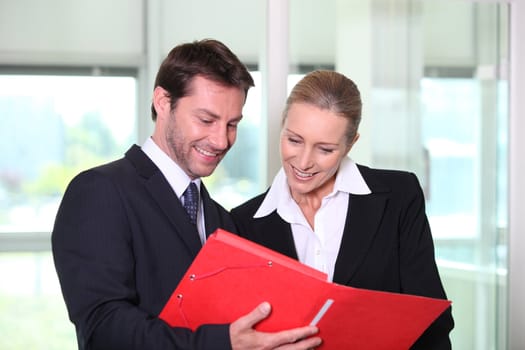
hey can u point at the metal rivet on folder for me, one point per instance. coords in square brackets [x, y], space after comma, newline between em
[270, 263]
[192, 277]
[179, 296]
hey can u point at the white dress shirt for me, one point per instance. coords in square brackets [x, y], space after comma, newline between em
[317, 248]
[176, 177]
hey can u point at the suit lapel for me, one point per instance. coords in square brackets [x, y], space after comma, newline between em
[362, 222]
[160, 190]
[212, 219]
[276, 233]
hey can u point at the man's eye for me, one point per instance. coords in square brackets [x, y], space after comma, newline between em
[206, 121]
[327, 150]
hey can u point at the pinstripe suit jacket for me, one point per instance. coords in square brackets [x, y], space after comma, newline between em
[121, 243]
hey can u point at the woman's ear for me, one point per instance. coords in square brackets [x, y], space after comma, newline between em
[349, 147]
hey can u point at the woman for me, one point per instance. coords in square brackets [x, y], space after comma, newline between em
[364, 227]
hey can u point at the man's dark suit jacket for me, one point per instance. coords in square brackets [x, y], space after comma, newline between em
[121, 243]
[386, 244]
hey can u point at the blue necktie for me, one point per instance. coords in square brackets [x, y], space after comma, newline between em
[191, 201]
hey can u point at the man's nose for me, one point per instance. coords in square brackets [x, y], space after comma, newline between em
[219, 138]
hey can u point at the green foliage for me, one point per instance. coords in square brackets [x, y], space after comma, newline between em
[87, 144]
[52, 181]
[89, 141]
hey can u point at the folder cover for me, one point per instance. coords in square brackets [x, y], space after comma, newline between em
[231, 276]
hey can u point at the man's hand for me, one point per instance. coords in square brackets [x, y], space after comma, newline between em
[244, 337]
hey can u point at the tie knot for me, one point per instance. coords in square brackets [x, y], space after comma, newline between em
[191, 201]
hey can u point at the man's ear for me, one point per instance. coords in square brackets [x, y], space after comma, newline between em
[161, 102]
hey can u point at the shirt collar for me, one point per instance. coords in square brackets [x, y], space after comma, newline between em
[176, 177]
[348, 180]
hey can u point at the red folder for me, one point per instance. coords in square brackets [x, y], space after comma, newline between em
[231, 276]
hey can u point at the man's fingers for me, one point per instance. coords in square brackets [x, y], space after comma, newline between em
[255, 316]
[304, 344]
[297, 337]
[244, 336]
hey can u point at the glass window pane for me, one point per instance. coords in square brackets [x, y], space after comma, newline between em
[239, 176]
[52, 128]
[455, 102]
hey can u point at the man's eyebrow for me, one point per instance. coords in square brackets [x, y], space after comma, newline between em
[214, 115]
[207, 112]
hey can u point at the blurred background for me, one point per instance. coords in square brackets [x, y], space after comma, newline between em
[437, 83]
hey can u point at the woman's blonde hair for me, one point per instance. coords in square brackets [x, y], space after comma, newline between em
[329, 90]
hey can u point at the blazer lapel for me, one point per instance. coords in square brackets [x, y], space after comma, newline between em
[212, 218]
[277, 234]
[362, 222]
[163, 194]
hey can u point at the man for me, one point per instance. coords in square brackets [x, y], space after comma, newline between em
[122, 239]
